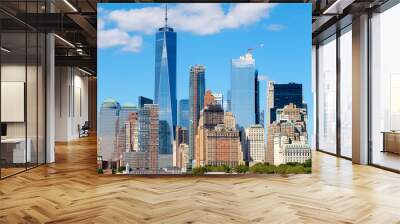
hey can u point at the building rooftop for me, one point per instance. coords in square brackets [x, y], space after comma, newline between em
[110, 103]
[129, 105]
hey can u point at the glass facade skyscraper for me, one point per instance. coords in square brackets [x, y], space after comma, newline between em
[281, 95]
[244, 91]
[123, 127]
[108, 126]
[196, 100]
[184, 113]
[165, 85]
[144, 100]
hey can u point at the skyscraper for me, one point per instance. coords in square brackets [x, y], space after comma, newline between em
[133, 129]
[196, 101]
[182, 137]
[144, 100]
[270, 101]
[244, 91]
[210, 117]
[281, 95]
[223, 147]
[149, 133]
[255, 143]
[123, 135]
[108, 128]
[165, 85]
[184, 113]
[287, 136]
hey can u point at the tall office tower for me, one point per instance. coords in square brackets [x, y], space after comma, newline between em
[291, 130]
[182, 137]
[144, 100]
[219, 99]
[208, 98]
[257, 98]
[108, 128]
[223, 147]
[196, 102]
[132, 156]
[123, 135]
[165, 85]
[255, 143]
[244, 93]
[227, 102]
[270, 101]
[149, 133]
[210, 117]
[281, 95]
[184, 113]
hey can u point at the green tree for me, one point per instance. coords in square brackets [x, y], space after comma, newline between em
[121, 169]
[100, 171]
[199, 170]
[241, 169]
[308, 163]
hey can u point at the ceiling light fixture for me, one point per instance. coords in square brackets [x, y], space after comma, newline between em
[84, 71]
[337, 7]
[5, 50]
[70, 5]
[64, 40]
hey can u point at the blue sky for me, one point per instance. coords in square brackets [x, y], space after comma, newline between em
[208, 34]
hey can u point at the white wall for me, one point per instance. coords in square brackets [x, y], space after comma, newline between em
[71, 102]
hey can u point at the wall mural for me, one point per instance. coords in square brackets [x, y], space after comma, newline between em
[203, 89]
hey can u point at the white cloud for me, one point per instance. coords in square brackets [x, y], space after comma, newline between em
[134, 44]
[143, 19]
[100, 24]
[276, 27]
[115, 37]
[197, 18]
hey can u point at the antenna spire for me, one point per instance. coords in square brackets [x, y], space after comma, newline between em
[166, 15]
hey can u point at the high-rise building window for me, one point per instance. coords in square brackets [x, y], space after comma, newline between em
[385, 88]
[346, 92]
[327, 95]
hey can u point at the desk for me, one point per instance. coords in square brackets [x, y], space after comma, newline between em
[13, 150]
[391, 141]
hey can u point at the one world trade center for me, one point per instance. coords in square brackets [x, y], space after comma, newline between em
[165, 85]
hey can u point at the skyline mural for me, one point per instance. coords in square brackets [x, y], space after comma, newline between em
[226, 90]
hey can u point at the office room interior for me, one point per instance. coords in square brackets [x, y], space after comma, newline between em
[51, 164]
